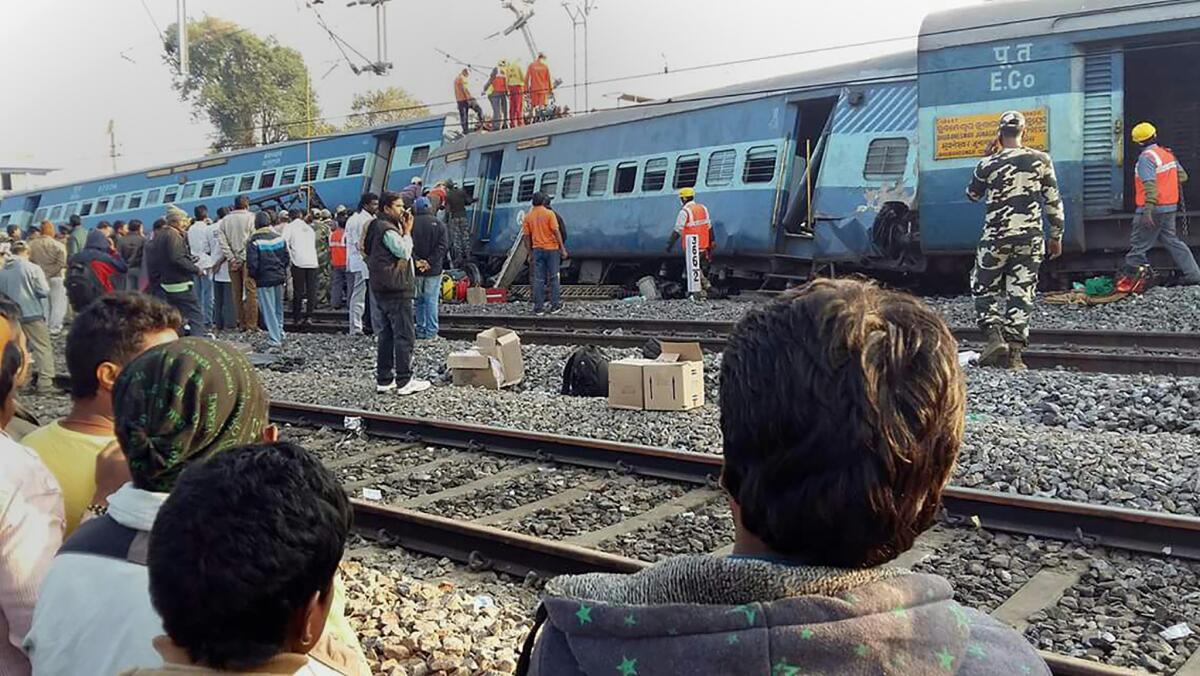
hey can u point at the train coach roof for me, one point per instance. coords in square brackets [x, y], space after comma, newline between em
[1016, 19]
[891, 66]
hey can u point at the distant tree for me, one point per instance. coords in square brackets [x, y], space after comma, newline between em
[380, 106]
[253, 90]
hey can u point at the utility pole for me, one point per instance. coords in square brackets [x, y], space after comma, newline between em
[181, 7]
[381, 65]
[112, 144]
[579, 14]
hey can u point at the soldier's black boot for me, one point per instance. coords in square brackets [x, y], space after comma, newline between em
[995, 353]
[1015, 363]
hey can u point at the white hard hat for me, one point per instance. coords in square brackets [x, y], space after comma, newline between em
[416, 179]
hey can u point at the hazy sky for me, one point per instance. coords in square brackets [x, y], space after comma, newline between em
[71, 65]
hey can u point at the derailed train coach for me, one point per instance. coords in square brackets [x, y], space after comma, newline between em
[862, 166]
[337, 169]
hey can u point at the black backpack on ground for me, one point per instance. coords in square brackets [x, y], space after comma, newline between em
[83, 286]
[586, 373]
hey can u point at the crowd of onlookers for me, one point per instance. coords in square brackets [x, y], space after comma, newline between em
[162, 527]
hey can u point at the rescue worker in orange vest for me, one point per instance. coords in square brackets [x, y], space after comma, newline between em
[693, 220]
[516, 94]
[1156, 184]
[537, 79]
[338, 289]
[497, 93]
[466, 102]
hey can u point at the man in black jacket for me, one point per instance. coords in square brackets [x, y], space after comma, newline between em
[170, 268]
[267, 264]
[389, 246]
[429, 255]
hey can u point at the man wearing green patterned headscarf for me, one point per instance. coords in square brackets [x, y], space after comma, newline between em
[175, 405]
[178, 405]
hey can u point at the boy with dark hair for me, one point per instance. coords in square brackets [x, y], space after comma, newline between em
[224, 610]
[103, 339]
[842, 413]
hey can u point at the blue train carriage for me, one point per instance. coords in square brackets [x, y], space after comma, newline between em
[746, 149]
[1083, 73]
[339, 168]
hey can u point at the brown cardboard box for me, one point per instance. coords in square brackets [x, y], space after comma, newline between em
[505, 345]
[476, 295]
[625, 383]
[490, 377]
[467, 359]
[673, 382]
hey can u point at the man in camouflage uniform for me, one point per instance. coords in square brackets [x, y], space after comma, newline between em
[1019, 184]
[322, 226]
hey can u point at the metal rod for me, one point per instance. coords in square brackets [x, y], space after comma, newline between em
[181, 7]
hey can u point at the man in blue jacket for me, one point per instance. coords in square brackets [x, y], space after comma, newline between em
[267, 261]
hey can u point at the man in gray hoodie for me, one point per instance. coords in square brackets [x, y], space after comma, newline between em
[842, 413]
[24, 283]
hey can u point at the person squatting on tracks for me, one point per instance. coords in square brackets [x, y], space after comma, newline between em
[842, 411]
[198, 398]
[1019, 184]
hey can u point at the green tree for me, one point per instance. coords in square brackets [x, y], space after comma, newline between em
[380, 106]
[253, 90]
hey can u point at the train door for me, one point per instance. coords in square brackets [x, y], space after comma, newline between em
[31, 206]
[1102, 132]
[376, 181]
[489, 175]
[812, 129]
[1160, 88]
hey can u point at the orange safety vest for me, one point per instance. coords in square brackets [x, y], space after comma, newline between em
[337, 248]
[460, 89]
[697, 224]
[1166, 170]
[500, 81]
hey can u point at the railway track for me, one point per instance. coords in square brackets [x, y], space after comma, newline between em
[423, 522]
[1159, 353]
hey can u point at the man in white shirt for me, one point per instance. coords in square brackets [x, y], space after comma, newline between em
[356, 266]
[199, 236]
[301, 242]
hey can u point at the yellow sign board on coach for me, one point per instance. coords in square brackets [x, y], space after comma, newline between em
[969, 135]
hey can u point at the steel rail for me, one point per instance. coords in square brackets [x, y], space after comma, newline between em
[1135, 530]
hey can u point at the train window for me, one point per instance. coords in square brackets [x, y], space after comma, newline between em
[505, 191]
[525, 189]
[169, 194]
[266, 180]
[469, 188]
[886, 158]
[85, 209]
[310, 173]
[227, 185]
[101, 206]
[288, 176]
[190, 190]
[118, 203]
[550, 183]
[333, 169]
[655, 175]
[420, 155]
[760, 165]
[207, 188]
[56, 213]
[356, 166]
[40, 215]
[135, 201]
[572, 183]
[626, 177]
[152, 197]
[5, 219]
[597, 181]
[246, 183]
[720, 168]
[687, 167]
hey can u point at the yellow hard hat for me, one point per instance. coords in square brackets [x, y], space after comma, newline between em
[687, 192]
[1143, 132]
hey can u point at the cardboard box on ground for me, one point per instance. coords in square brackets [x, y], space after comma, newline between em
[494, 361]
[672, 382]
